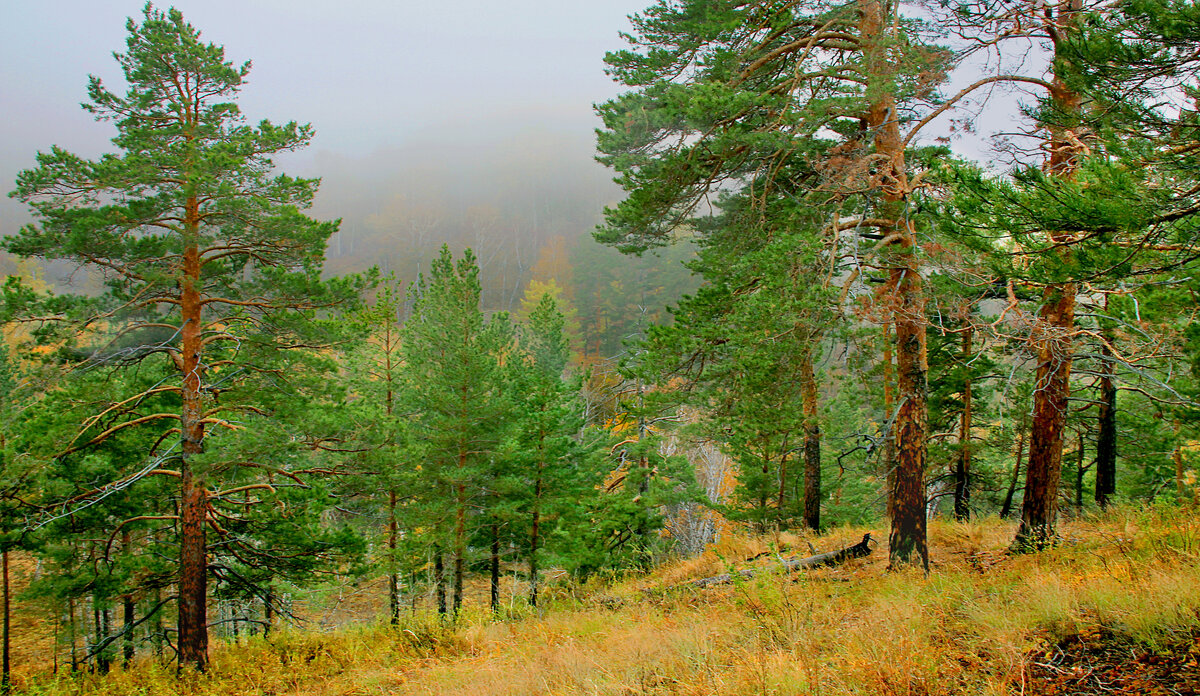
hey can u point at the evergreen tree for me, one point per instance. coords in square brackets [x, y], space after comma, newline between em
[732, 95]
[453, 384]
[548, 447]
[1106, 210]
[210, 270]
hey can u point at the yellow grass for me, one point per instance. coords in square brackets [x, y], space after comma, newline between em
[968, 628]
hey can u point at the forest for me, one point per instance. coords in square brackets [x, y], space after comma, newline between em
[806, 317]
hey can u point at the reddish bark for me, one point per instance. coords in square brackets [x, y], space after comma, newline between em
[193, 498]
[1039, 511]
[907, 540]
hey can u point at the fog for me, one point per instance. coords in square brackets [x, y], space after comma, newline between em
[468, 123]
[467, 108]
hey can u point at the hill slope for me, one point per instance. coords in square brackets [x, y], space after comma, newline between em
[1114, 609]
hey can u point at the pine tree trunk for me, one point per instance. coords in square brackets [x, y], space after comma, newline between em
[439, 580]
[1180, 489]
[103, 620]
[5, 665]
[72, 634]
[127, 622]
[1079, 469]
[495, 563]
[763, 493]
[812, 444]
[193, 503]
[962, 469]
[460, 546]
[534, 538]
[644, 483]
[157, 625]
[128, 609]
[393, 579]
[268, 612]
[1039, 510]
[1106, 438]
[1006, 508]
[907, 540]
[781, 494]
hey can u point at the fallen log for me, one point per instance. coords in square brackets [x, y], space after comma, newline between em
[831, 558]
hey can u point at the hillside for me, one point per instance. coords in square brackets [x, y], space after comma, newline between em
[1112, 610]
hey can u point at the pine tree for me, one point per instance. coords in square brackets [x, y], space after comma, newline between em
[725, 93]
[453, 385]
[210, 268]
[1106, 208]
[549, 452]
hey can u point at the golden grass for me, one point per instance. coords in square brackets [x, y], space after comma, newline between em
[967, 628]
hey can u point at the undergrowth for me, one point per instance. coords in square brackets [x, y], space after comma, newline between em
[971, 627]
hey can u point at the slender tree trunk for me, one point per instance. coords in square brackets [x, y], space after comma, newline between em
[907, 540]
[812, 444]
[393, 578]
[5, 665]
[1079, 469]
[763, 493]
[1106, 438]
[534, 538]
[268, 612]
[1180, 489]
[157, 625]
[495, 563]
[127, 622]
[781, 494]
[128, 609]
[1006, 508]
[962, 469]
[72, 633]
[193, 502]
[1039, 510]
[439, 580]
[460, 546]
[103, 620]
[644, 464]
[389, 404]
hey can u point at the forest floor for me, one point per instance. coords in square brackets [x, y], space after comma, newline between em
[1114, 609]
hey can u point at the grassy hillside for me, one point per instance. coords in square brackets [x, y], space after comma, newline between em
[1114, 609]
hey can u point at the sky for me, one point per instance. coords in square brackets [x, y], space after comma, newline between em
[372, 76]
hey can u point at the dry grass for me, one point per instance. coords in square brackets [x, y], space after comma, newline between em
[967, 628]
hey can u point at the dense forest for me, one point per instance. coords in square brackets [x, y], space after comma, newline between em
[823, 316]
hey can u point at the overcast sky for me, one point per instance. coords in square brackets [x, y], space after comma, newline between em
[369, 75]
